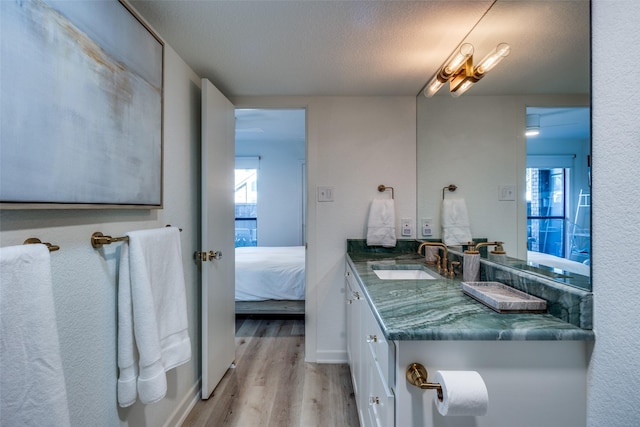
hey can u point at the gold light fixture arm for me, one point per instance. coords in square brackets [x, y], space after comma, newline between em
[459, 71]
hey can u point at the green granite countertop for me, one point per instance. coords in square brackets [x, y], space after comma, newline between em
[439, 310]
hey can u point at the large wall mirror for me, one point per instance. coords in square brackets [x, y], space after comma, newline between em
[532, 193]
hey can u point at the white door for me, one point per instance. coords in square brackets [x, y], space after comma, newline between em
[218, 223]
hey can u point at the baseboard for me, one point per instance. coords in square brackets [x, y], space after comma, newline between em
[186, 405]
[327, 356]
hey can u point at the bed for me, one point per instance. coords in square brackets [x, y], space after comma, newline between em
[274, 277]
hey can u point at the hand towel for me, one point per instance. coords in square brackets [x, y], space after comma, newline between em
[152, 314]
[381, 227]
[455, 222]
[32, 385]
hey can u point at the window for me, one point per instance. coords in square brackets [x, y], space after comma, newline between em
[246, 202]
[546, 210]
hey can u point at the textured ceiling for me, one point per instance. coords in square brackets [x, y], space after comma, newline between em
[259, 48]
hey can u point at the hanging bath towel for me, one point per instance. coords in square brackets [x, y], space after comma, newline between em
[152, 314]
[32, 386]
[455, 222]
[381, 229]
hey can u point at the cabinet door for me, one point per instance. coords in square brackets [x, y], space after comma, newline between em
[381, 400]
[354, 337]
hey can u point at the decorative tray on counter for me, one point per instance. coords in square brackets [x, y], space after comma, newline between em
[503, 298]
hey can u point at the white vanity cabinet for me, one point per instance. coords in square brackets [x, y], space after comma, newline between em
[370, 360]
[530, 383]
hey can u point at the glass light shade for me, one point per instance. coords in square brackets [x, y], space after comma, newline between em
[462, 89]
[493, 59]
[533, 125]
[434, 85]
[457, 59]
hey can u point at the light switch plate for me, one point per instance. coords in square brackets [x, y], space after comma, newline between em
[507, 192]
[325, 194]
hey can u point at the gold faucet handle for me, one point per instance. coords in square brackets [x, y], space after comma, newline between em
[454, 264]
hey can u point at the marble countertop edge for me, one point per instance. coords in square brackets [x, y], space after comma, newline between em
[448, 311]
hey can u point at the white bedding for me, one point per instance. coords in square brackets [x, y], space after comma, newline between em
[264, 273]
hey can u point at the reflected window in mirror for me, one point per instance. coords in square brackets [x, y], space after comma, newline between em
[558, 189]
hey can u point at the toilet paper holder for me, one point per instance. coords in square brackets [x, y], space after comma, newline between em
[417, 375]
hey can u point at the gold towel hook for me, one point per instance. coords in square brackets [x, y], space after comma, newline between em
[34, 240]
[449, 187]
[382, 188]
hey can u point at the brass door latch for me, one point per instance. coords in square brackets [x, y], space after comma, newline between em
[207, 256]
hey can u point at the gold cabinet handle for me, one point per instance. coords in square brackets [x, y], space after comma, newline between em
[372, 338]
[214, 255]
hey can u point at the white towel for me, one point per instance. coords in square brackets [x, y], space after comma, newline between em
[32, 386]
[152, 314]
[455, 222]
[381, 227]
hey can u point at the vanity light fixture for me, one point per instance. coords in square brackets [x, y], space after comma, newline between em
[459, 71]
[533, 125]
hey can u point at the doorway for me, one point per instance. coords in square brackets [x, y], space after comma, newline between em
[270, 154]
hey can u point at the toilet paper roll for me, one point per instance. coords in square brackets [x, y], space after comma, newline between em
[463, 393]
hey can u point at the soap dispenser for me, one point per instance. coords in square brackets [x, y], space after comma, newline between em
[471, 264]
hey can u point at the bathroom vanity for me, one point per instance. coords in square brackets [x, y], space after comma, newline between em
[534, 365]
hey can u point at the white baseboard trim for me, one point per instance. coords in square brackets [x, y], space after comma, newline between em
[327, 356]
[186, 405]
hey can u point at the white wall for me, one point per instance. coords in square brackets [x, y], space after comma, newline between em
[353, 145]
[615, 364]
[279, 190]
[478, 144]
[84, 279]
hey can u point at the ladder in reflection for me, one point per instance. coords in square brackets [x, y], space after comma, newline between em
[580, 237]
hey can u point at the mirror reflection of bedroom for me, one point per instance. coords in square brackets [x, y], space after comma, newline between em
[558, 188]
[270, 196]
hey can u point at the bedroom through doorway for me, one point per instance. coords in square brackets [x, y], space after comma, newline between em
[270, 210]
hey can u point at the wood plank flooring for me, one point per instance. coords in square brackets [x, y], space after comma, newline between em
[272, 386]
[270, 307]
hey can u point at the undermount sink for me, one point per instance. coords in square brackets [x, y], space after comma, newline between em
[403, 272]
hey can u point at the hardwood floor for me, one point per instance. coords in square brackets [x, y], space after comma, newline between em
[285, 307]
[272, 386]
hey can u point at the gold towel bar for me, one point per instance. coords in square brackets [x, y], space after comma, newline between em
[32, 240]
[382, 188]
[449, 187]
[98, 239]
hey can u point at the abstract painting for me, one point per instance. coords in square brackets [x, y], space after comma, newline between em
[81, 106]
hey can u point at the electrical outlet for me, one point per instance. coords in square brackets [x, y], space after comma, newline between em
[426, 227]
[407, 229]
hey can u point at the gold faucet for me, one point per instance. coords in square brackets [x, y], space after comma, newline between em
[499, 250]
[442, 262]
